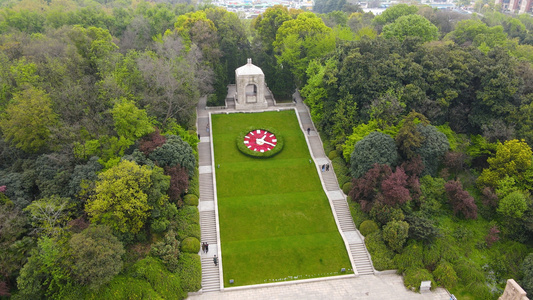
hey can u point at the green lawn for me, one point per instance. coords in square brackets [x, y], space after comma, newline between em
[275, 219]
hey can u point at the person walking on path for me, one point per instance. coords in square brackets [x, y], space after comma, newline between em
[207, 127]
[206, 247]
[203, 247]
[327, 167]
[323, 168]
[215, 260]
[308, 130]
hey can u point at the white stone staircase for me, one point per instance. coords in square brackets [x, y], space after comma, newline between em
[206, 206]
[355, 241]
[210, 274]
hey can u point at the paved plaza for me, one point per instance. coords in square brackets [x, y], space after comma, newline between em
[369, 287]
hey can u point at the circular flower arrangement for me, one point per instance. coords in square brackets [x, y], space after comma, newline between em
[260, 142]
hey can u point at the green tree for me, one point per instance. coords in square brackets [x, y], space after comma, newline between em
[120, 200]
[96, 256]
[478, 33]
[301, 40]
[268, 23]
[409, 138]
[513, 158]
[174, 152]
[314, 90]
[28, 120]
[395, 234]
[131, 123]
[513, 205]
[394, 12]
[45, 274]
[411, 25]
[432, 149]
[375, 148]
[168, 250]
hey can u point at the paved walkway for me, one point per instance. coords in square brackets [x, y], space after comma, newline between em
[208, 213]
[367, 287]
[373, 287]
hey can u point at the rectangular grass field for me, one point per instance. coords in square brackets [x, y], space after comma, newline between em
[276, 223]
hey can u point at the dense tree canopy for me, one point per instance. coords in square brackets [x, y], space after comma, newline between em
[84, 85]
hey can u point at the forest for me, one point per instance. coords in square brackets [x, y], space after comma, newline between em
[426, 116]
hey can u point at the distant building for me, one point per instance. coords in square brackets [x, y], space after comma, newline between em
[521, 6]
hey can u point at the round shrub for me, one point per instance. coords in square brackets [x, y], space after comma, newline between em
[333, 154]
[368, 227]
[395, 234]
[190, 272]
[190, 245]
[190, 199]
[445, 275]
[414, 276]
[242, 147]
[347, 187]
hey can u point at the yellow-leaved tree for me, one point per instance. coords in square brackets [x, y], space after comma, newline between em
[121, 200]
[513, 159]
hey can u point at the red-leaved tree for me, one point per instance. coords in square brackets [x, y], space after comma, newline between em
[150, 142]
[179, 182]
[366, 188]
[394, 188]
[414, 166]
[460, 199]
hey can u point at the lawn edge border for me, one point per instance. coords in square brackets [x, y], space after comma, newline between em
[288, 282]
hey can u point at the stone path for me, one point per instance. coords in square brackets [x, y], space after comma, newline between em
[208, 214]
[357, 250]
[372, 287]
[388, 286]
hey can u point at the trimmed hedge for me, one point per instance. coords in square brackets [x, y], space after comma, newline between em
[190, 272]
[368, 227]
[194, 184]
[187, 222]
[333, 154]
[191, 200]
[242, 147]
[347, 187]
[190, 245]
[358, 215]
[341, 170]
[414, 276]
